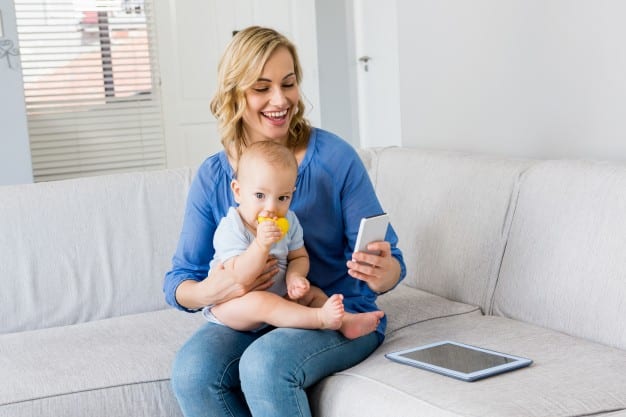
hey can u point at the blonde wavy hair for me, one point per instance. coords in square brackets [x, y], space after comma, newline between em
[240, 67]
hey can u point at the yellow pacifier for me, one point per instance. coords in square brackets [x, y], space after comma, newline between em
[281, 222]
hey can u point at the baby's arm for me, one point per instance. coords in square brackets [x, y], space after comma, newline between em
[248, 265]
[297, 270]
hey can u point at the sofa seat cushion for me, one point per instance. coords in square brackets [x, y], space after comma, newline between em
[569, 376]
[123, 362]
[405, 306]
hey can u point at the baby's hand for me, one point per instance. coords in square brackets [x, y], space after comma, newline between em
[267, 233]
[281, 222]
[297, 287]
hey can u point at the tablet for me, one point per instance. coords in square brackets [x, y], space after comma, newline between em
[371, 229]
[458, 360]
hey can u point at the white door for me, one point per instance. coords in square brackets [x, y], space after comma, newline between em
[192, 36]
[376, 47]
[15, 161]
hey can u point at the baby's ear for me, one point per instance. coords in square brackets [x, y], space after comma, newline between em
[234, 185]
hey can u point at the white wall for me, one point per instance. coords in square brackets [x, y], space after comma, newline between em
[530, 78]
[15, 163]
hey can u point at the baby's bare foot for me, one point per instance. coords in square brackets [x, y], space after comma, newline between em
[331, 313]
[357, 325]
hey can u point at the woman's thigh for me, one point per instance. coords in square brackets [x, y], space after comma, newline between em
[205, 374]
[277, 368]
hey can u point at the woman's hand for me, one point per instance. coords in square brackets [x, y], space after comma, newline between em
[220, 286]
[381, 272]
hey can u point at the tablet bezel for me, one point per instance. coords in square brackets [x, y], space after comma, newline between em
[517, 362]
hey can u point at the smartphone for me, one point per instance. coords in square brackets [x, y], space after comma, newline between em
[371, 229]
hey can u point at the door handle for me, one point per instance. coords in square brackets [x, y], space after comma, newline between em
[365, 59]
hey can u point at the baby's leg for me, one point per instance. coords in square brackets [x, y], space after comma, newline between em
[255, 308]
[353, 325]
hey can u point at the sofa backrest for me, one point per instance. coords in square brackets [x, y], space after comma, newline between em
[565, 262]
[451, 212]
[79, 250]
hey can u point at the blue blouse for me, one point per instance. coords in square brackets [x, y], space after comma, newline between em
[333, 192]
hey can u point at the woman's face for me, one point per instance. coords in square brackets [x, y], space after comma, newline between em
[272, 100]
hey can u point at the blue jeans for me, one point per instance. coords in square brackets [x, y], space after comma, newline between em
[223, 372]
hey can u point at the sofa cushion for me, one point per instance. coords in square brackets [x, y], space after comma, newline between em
[123, 362]
[565, 262]
[569, 376]
[452, 213]
[87, 249]
[405, 306]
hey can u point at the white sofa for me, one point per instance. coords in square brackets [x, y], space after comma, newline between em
[526, 257]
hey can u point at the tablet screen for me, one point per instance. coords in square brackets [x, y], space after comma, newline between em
[457, 358]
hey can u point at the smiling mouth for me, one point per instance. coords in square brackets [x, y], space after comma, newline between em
[275, 115]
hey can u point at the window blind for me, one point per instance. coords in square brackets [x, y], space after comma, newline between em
[91, 86]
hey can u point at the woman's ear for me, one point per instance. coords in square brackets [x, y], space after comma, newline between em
[234, 185]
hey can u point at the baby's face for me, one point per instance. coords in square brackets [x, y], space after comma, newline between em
[264, 190]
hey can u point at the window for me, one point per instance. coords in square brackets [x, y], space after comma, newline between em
[91, 86]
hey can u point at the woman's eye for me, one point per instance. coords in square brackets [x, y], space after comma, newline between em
[260, 89]
[288, 85]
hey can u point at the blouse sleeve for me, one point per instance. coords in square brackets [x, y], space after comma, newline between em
[359, 200]
[195, 246]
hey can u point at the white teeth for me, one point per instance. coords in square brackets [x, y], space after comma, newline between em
[275, 114]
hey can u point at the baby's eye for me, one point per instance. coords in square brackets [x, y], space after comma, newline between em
[259, 196]
[283, 198]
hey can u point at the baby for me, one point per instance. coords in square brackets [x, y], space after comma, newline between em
[249, 234]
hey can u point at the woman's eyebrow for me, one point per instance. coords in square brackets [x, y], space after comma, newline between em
[291, 74]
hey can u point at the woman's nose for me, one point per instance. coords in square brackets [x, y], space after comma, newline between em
[278, 97]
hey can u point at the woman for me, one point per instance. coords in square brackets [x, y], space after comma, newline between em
[223, 372]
